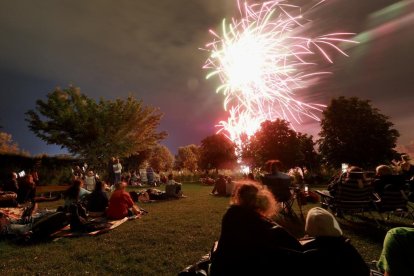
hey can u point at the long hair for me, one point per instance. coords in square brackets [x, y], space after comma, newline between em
[256, 197]
[73, 191]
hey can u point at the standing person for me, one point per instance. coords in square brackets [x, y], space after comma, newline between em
[396, 256]
[250, 242]
[329, 251]
[117, 168]
[150, 177]
[121, 204]
[407, 170]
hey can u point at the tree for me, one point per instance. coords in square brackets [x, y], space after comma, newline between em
[217, 152]
[188, 157]
[355, 132]
[275, 140]
[161, 158]
[93, 130]
[310, 159]
[7, 145]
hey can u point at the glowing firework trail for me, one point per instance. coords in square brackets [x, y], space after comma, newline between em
[261, 60]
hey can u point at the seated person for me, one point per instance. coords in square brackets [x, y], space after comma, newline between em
[277, 181]
[74, 194]
[173, 188]
[97, 200]
[354, 177]
[121, 204]
[229, 186]
[27, 190]
[250, 242]
[11, 184]
[396, 258]
[385, 180]
[219, 186]
[329, 252]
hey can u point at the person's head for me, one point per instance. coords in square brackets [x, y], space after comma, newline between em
[99, 186]
[120, 185]
[383, 170]
[170, 176]
[28, 180]
[90, 173]
[274, 166]
[405, 157]
[13, 175]
[73, 191]
[250, 176]
[255, 197]
[321, 223]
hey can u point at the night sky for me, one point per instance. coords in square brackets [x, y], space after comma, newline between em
[150, 49]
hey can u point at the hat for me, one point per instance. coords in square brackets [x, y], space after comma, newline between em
[319, 222]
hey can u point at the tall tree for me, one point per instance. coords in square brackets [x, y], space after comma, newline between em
[217, 152]
[355, 132]
[161, 158]
[188, 157]
[94, 130]
[276, 140]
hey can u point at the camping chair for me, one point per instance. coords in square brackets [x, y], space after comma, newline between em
[280, 188]
[352, 196]
[396, 207]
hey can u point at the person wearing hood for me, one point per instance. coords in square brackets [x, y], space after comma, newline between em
[329, 252]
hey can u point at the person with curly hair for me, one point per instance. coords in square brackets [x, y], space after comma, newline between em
[250, 242]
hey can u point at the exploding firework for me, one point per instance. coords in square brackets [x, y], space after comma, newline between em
[261, 60]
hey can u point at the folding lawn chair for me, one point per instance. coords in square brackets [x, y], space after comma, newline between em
[281, 190]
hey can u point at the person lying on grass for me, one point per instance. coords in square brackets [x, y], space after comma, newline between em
[121, 204]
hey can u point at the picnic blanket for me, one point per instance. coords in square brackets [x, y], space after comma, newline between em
[107, 225]
[12, 212]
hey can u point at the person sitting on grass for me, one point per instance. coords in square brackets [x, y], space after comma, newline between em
[386, 181]
[220, 186]
[329, 251]
[97, 200]
[27, 190]
[250, 242]
[121, 204]
[75, 193]
[173, 188]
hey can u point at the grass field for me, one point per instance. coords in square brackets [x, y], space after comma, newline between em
[174, 234]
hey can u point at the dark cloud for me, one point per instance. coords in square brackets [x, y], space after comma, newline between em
[151, 49]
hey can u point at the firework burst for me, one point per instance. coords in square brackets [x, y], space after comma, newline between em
[261, 60]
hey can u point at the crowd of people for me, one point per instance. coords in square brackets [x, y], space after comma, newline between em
[250, 242]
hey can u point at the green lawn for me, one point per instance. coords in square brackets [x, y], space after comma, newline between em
[174, 234]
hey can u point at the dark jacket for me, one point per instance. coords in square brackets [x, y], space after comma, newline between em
[334, 256]
[97, 201]
[250, 244]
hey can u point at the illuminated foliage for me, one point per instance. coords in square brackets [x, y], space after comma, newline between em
[94, 130]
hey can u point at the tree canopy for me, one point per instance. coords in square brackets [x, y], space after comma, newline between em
[217, 152]
[94, 130]
[161, 158]
[355, 132]
[276, 140]
[7, 145]
[188, 157]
